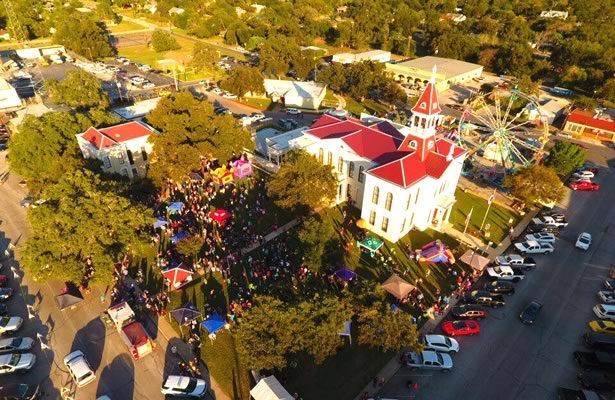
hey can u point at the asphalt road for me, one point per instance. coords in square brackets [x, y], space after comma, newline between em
[64, 331]
[509, 360]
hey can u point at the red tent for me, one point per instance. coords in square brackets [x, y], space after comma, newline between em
[220, 216]
[177, 277]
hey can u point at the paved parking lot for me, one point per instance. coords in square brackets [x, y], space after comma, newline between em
[509, 360]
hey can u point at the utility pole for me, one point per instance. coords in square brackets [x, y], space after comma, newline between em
[491, 198]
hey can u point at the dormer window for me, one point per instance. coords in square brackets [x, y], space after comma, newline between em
[423, 105]
[412, 144]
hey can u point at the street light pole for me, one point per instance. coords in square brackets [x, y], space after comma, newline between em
[23, 295]
[491, 198]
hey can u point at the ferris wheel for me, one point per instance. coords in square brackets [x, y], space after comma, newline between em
[505, 126]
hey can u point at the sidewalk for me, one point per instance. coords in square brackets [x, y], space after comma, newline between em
[270, 236]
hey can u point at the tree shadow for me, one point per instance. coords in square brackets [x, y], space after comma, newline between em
[120, 370]
[90, 339]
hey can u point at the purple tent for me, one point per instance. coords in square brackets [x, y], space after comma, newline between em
[345, 274]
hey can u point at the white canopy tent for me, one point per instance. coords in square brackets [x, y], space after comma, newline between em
[270, 388]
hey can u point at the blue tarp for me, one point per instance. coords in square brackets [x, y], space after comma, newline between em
[176, 238]
[185, 314]
[159, 223]
[214, 323]
[345, 274]
[176, 207]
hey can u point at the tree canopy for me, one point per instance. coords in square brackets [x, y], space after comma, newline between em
[536, 183]
[189, 129]
[314, 234]
[564, 157]
[163, 41]
[84, 216]
[203, 57]
[244, 80]
[302, 182]
[79, 90]
[84, 36]
[386, 330]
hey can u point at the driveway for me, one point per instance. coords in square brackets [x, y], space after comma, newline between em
[509, 360]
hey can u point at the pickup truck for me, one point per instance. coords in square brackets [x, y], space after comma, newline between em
[595, 359]
[515, 260]
[483, 298]
[533, 247]
[548, 220]
[428, 359]
[506, 273]
[131, 331]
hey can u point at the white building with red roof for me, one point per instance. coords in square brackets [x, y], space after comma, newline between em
[401, 177]
[122, 149]
[594, 126]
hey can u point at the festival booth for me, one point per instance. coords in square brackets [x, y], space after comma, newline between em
[346, 331]
[175, 207]
[178, 236]
[476, 261]
[220, 216]
[222, 176]
[195, 177]
[241, 168]
[371, 244]
[270, 388]
[185, 314]
[345, 274]
[69, 297]
[397, 286]
[213, 324]
[177, 277]
[435, 252]
[159, 223]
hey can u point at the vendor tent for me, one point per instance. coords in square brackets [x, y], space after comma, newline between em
[346, 331]
[69, 297]
[371, 243]
[397, 286]
[159, 223]
[185, 314]
[179, 236]
[270, 388]
[214, 323]
[220, 216]
[345, 274]
[176, 207]
[177, 277]
[475, 260]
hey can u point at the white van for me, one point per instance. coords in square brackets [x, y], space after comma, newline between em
[605, 311]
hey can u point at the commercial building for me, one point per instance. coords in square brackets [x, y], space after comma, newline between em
[122, 149]
[9, 99]
[590, 125]
[295, 93]
[138, 110]
[372, 55]
[449, 72]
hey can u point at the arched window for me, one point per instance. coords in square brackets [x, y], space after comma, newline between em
[361, 169]
[389, 200]
[330, 158]
[375, 195]
[321, 155]
[351, 169]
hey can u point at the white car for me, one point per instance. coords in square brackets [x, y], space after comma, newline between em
[440, 343]
[607, 296]
[583, 175]
[144, 67]
[148, 85]
[257, 116]
[184, 386]
[16, 362]
[16, 345]
[228, 95]
[10, 324]
[293, 111]
[79, 368]
[533, 247]
[583, 241]
[542, 237]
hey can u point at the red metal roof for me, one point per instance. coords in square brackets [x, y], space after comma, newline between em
[136, 334]
[107, 137]
[587, 118]
[428, 103]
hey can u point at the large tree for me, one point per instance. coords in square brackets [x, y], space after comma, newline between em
[381, 328]
[84, 217]
[564, 157]
[243, 80]
[314, 235]
[302, 182]
[163, 41]
[84, 36]
[536, 183]
[189, 129]
[203, 57]
[79, 90]
[45, 147]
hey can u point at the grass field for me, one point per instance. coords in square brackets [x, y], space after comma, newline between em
[124, 26]
[261, 104]
[498, 218]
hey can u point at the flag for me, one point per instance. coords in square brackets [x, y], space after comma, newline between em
[40, 339]
[469, 216]
[491, 198]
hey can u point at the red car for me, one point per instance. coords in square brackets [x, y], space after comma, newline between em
[455, 328]
[584, 185]
[3, 280]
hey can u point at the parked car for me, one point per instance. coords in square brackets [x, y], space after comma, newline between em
[515, 260]
[184, 386]
[607, 296]
[16, 362]
[500, 287]
[461, 327]
[533, 247]
[441, 343]
[544, 228]
[585, 174]
[3, 309]
[469, 311]
[551, 220]
[574, 394]
[584, 185]
[79, 368]
[148, 85]
[596, 380]
[599, 341]
[428, 359]
[293, 111]
[483, 298]
[16, 345]
[506, 273]
[595, 359]
[19, 391]
[5, 293]
[602, 327]
[530, 312]
[3, 280]
[605, 311]
[256, 116]
[10, 324]
[543, 237]
[583, 241]
[228, 95]
[144, 68]
[609, 284]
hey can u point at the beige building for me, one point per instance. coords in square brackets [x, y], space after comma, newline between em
[122, 149]
[449, 72]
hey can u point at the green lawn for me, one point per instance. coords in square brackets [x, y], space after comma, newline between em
[373, 107]
[261, 104]
[498, 218]
[353, 106]
[124, 26]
